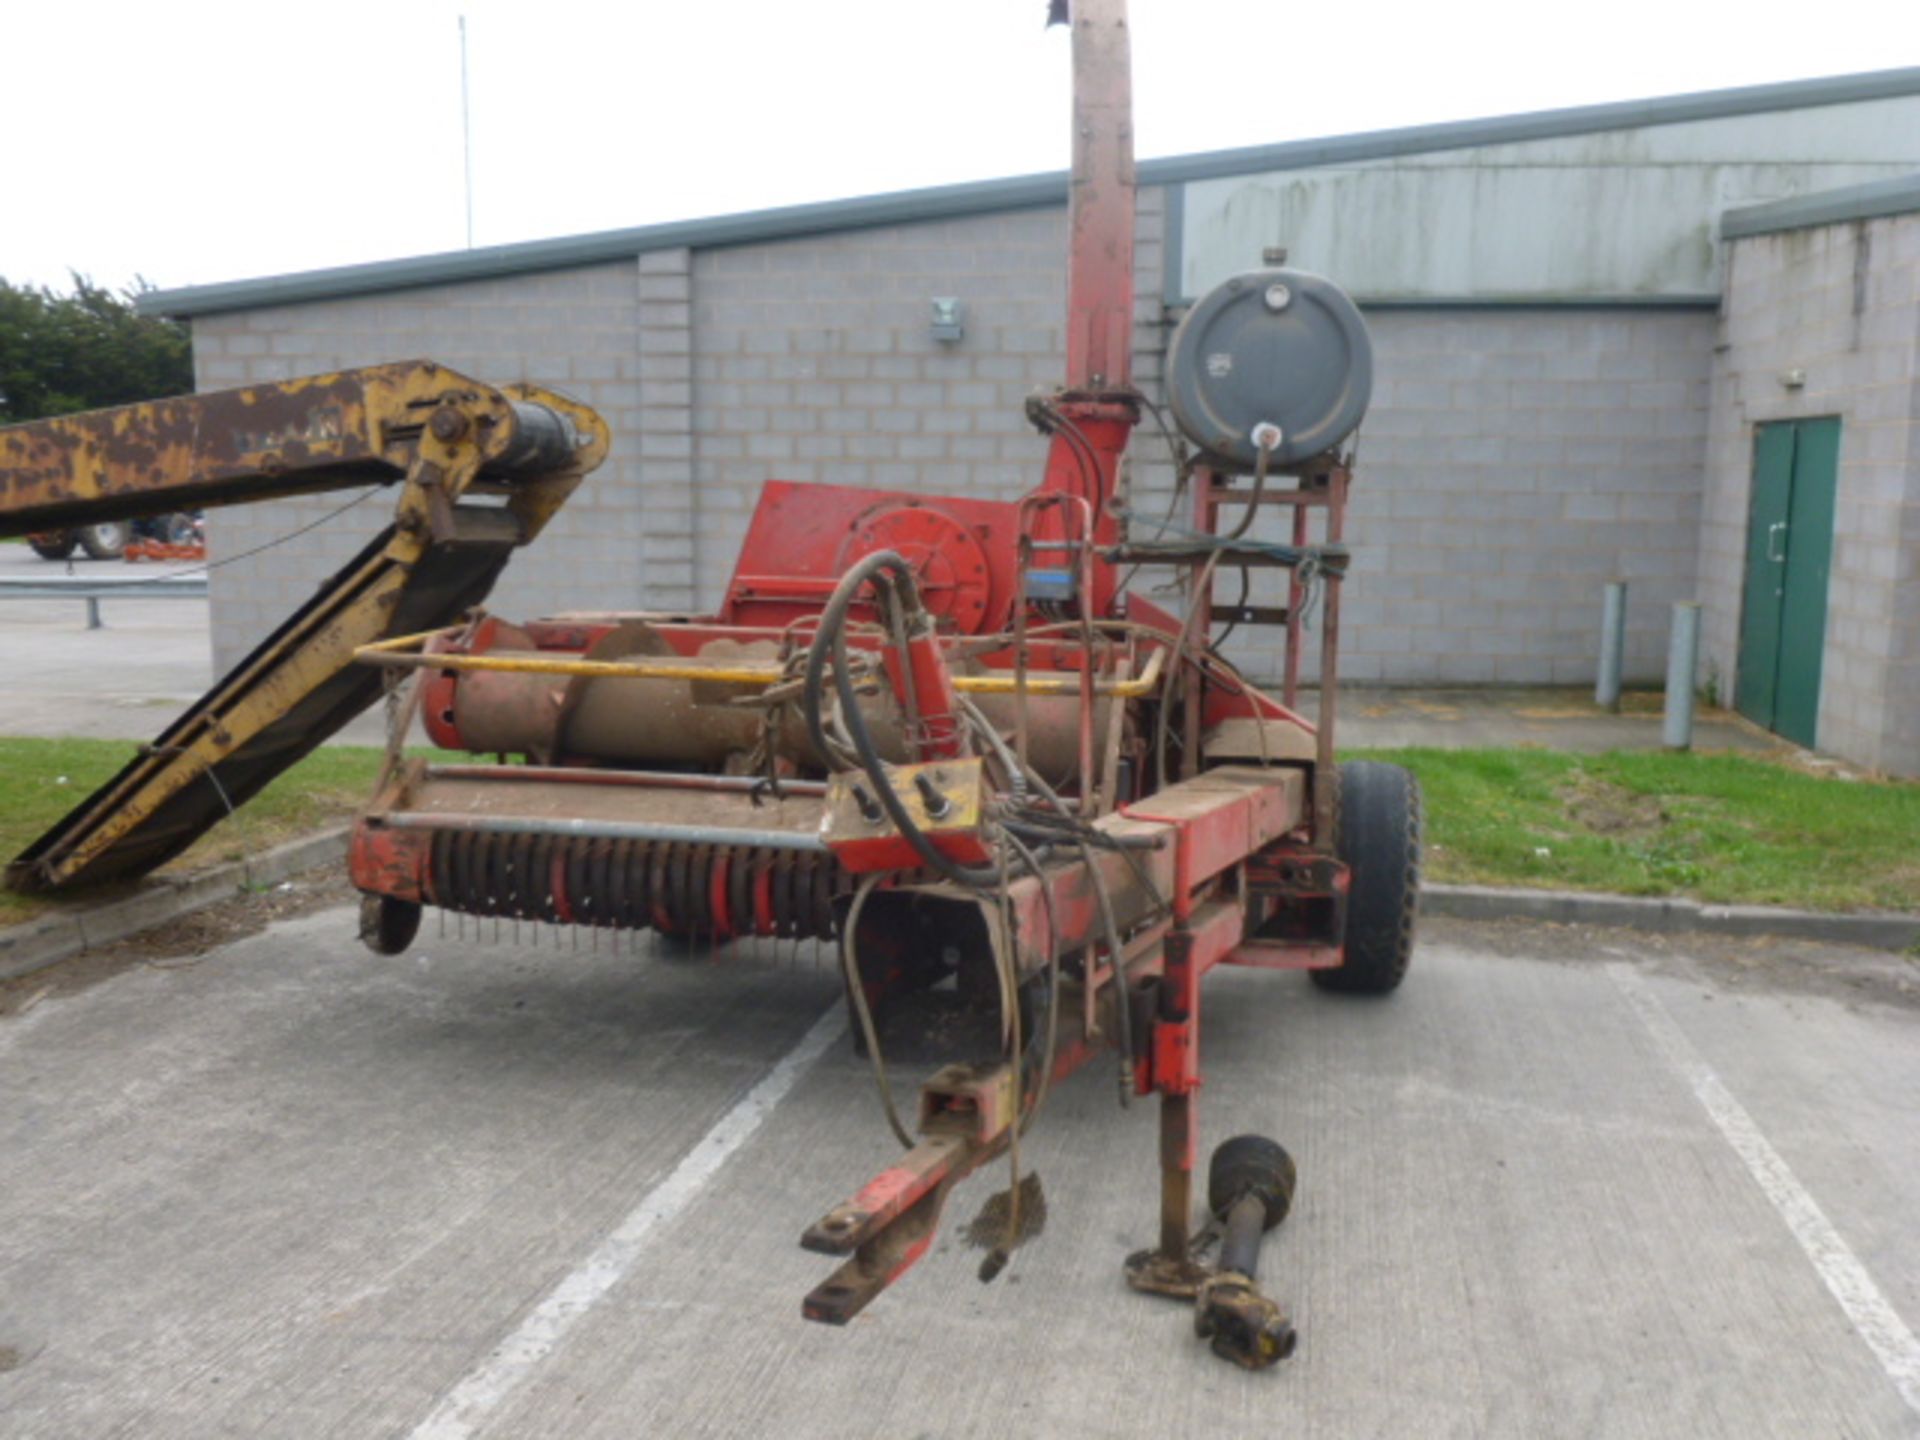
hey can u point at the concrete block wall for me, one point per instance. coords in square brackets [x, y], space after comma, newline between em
[813, 361]
[1514, 461]
[574, 330]
[1842, 304]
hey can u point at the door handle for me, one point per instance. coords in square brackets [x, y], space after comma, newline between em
[1777, 531]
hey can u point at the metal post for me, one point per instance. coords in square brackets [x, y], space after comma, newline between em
[1683, 653]
[1179, 1002]
[466, 128]
[1296, 597]
[1206, 519]
[1324, 763]
[93, 612]
[1613, 640]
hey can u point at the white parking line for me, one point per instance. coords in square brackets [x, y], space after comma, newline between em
[1876, 1321]
[467, 1405]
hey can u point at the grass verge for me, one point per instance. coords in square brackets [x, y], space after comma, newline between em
[41, 780]
[1727, 829]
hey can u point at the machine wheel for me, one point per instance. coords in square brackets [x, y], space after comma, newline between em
[105, 541]
[1377, 837]
[57, 545]
[387, 924]
[1251, 1165]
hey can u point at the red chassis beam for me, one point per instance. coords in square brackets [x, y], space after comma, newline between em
[1181, 916]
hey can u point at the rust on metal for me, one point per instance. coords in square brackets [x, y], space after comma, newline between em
[322, 432]
[1242, 1324]
[299, 685]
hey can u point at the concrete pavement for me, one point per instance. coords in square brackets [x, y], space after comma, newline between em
[125, 681]
[288, 1189]
[1559, 717]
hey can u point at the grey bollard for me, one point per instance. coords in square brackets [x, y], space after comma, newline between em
[1613, 640]
[1683, 656]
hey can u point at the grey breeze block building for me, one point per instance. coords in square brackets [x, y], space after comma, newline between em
[1591, 326]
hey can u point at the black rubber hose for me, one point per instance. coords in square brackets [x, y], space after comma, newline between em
[830, 641]
[832, 621]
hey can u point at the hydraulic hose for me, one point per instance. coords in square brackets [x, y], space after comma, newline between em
[1075, 830]
[830, 642]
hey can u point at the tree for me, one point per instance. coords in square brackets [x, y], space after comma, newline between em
[61, 353]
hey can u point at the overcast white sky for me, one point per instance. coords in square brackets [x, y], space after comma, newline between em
[191, 141]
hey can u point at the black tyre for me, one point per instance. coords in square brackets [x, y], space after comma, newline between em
[1251, 1165]
[388, 924]
[56, 546]
[1378, 839]
[105, 541]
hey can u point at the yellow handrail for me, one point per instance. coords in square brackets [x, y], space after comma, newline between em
[403, 651]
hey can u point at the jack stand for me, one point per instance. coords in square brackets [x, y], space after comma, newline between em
[1250, 1187]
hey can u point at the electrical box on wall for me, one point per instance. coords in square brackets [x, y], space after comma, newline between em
[949, 319]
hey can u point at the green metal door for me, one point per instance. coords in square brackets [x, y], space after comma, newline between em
[1783, 619]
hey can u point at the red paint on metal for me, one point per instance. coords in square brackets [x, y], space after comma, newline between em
[1176, 1035]
[803, 537]
[763, 900]
[1216, 928]
[557, 885]
[1285, 955]
[950, 566]
[717, 898]
[910, 1257]
[1222, 817]
[941, 735]
[387, 862]
[890, 850]
[1176, 1064]
[893, 1190]
[1100, 253]
[437, 689]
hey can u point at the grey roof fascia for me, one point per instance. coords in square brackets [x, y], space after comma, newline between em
[1568, 301]
[1539, 125]
[1874, 200]
[1023, 192]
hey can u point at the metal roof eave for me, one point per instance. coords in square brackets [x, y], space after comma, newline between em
[985, 197]
[1873, 200]
[1016, 193]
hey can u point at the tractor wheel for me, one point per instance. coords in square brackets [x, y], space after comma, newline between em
[1377, 837]
[105, 541]
[56, 545]
[1251, 1164]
